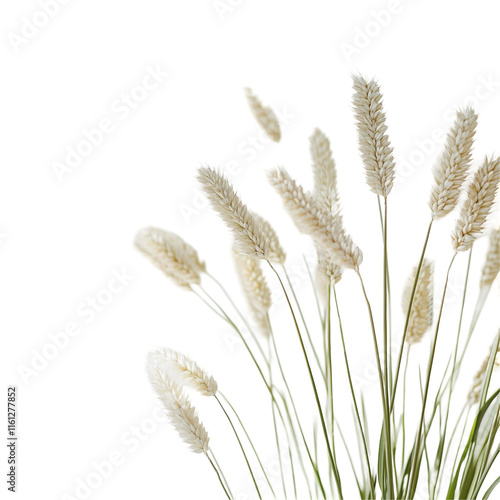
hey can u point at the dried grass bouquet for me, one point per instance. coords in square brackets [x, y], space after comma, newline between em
[445, 454]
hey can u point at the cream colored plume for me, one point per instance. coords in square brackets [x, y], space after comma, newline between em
[170, 253]
[310, 218]
[181, 413]
[253, 235]
[422, 307]
[374, 145]
[479, 200]
[254, 285]
[491, 265]
[265, 116]
[176, 364]
[453, 164]
[324, 171]
[477, 382]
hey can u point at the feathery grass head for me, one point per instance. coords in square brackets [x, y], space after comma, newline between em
[491, 265]
[477, 205]
[422, 307]
[477, 382]
[253, 236]
[310, 218]
[453, 164]
[176, 364]
[181, 413]
[254, 285]
[170, 253]
[328, 271]
[324, 170]
[374, 145]
[265, 116]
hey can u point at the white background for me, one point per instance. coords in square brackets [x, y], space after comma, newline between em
[63, 236]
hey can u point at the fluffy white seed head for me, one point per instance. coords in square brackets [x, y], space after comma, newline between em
[328, 270]
[179, 410]
[170, 253]
[253, 236]
[255, 288]
[477, 205]
[453, 164]
[477, 381]
[374, 145]
[176, 364]
[310, 218]
[324, 170]
[265, 116]
[422, 307]
[491, 265]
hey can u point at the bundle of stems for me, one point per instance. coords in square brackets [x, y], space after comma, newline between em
[447, 447]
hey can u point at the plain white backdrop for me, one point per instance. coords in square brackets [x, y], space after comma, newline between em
[107, 109]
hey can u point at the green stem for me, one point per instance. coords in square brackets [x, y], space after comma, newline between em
[353, 394]
[240, 443]
[454, 364]
[315, 468]
[311, 343]
[403, 340]
[313, 383]
[416, 463]
[250, 441]
[383, 392]
[218, 475]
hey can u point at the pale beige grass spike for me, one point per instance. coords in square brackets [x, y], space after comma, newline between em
[453, 164]
[491, 265]
[253, 236]
[170, 253]
[255, 288]
[477, 205]
[264, 115]
[374, 145]
[477, 382]
[422, 307]
[310, 218]
[181, 413]
[179, 365]
[324, 170]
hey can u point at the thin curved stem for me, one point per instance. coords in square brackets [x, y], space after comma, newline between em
[313, 383]
[414, 469]
[403, 340]
[250, 441]
[218, 475]
[240, 443]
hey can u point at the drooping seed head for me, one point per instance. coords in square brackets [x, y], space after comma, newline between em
[176, 364]
[253, 235]
[265, 116]
[170, 253]
[310, 218]
[179, 410]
